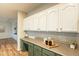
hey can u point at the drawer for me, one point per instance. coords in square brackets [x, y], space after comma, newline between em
[47, 52]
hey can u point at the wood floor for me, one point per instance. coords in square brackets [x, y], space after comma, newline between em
[8, 47]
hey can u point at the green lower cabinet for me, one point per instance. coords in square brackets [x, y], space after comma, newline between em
[30, 49]
[47, 52]
[37, 53]
[37, 50]
[24, 45]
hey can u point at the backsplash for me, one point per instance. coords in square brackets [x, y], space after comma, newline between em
[61, 36]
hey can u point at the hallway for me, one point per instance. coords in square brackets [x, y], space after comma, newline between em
[8, 47]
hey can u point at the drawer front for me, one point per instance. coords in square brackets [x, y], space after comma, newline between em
[47, 52]
[37, 48]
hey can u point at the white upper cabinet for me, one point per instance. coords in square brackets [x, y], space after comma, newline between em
[62, 18]
[24, 26]
[36, 20]
[26, 23]
[42, 21]
[29, 23]
[52, 20]
[68, 19]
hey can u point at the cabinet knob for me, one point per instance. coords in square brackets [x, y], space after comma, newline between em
[60, 28]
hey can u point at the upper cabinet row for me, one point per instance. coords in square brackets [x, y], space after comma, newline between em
[62, 19]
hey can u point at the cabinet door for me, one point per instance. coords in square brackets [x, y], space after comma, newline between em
[37, 50]
[52, 20]
[69, 19]
[26, 24]
[30, 49]
[31, 23]
[36, 20]
[24, 46]
[47, 52]
[42, 21]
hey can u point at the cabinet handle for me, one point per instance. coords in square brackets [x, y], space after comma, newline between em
[60, 28]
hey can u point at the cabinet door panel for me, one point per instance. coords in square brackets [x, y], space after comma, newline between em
[36, 16]
[31, 23]
[49, 53]
[69, 19]
[26, 24]
[37, 47]
[24, 45]
[42, 21]
[52, 20]
[30, 48]
[37, 50]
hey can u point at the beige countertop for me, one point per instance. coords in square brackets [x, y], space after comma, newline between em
[62, 49]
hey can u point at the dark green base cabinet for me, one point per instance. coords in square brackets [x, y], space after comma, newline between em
[24, 45]
[47, 52]
[30, 49]
[35, 50]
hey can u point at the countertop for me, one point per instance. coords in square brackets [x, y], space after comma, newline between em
[62, 49]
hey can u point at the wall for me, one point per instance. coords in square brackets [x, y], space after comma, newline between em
[7, 32]
[13, 24]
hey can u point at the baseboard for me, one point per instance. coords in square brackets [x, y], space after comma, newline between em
[6, 38]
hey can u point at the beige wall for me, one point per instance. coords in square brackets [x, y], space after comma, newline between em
[20, 32]
[7, 29]
[13, 31]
